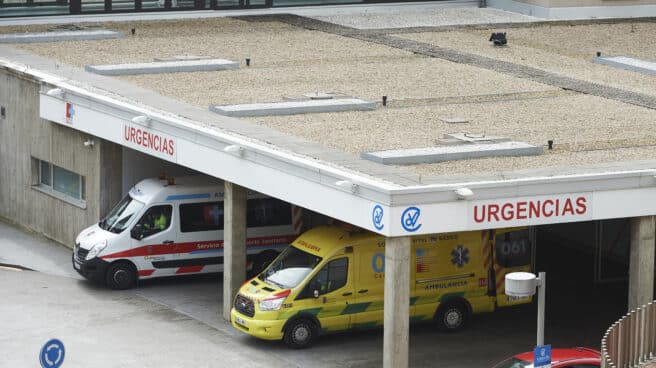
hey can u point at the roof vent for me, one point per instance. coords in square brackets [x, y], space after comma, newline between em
[176, 66]
[456, 146]
[320, 96]
[292, 107]
[625, 62]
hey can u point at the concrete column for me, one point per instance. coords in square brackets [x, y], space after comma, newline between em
[234, 245]
[397, 302]
[641, 261]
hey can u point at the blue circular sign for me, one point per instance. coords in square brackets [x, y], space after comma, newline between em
[52, 354]
[377, 217]
[410, 219]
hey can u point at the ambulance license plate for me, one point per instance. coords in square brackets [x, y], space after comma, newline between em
[240, 321]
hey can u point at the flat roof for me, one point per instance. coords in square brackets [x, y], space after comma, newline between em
[542, 86]
[288, 61]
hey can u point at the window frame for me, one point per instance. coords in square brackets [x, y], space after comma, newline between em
[49, 188]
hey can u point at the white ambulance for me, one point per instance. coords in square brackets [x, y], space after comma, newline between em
[175, 227]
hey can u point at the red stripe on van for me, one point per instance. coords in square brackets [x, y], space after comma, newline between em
[189, 269]
[160, 249]
[146, 272]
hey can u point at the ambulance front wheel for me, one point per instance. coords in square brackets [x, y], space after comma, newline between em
[120, 276]
[300, 333]
[452, 317]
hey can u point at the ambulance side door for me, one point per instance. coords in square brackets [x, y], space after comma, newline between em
[370, 284]
[329, 293]
[154, 238]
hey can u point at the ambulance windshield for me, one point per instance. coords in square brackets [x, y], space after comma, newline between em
[118, 218]
[290, 268]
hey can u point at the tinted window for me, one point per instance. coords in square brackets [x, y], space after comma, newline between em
[268, 212]
[201, 216]
[331, 277]
[513, 249]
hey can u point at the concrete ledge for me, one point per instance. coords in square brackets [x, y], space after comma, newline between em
[156, 67]
[575, 12]
[294, 107]
[96, 34]
[625, 62]
[451, 153]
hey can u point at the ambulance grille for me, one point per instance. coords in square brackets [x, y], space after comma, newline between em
[81, 254]
[244, 306]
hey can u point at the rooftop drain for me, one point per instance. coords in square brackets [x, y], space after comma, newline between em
[295, 107]
[459, 146]
[176, 66]
[625, 62]
[64, 35]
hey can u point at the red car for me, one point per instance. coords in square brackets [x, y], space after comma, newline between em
[560, 358]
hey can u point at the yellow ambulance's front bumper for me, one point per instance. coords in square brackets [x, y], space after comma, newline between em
[263, 329]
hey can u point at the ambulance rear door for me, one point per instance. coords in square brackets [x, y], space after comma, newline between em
[512, 253]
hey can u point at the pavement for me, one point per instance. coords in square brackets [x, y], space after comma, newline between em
[176, 322]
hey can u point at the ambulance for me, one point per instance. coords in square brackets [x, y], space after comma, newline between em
[331, 279]
[175, 227]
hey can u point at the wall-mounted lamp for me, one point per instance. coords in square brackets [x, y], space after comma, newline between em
[347, 184]
[56, 92]
[89, 143]
[235, 150]
[142, 120]
[463, 193]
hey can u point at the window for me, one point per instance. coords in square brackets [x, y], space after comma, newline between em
[331, 277]
[155, 220]
[268, 212]
[59, 182]
[206, 216]
[513, 249]
[119, 217]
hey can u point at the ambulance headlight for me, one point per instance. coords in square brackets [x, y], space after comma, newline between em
[271, 304]
[274, 302]
[96, 249]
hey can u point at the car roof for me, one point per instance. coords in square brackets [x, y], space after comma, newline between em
[559, 355]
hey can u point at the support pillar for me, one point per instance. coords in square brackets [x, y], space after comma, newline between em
[234, 243]
[397, 303]
[641, 261]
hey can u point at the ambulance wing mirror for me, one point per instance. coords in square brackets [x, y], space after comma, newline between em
[314, 286]
[137, 232]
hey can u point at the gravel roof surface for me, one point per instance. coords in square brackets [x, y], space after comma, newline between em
[290, 61]
[566, 50]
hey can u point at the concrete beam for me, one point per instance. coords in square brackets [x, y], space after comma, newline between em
[234, 244]
[397, 302]
[641, 261]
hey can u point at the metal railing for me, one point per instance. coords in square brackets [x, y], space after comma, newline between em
[631, 341]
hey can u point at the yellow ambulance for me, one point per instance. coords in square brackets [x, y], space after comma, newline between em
[331, 279]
